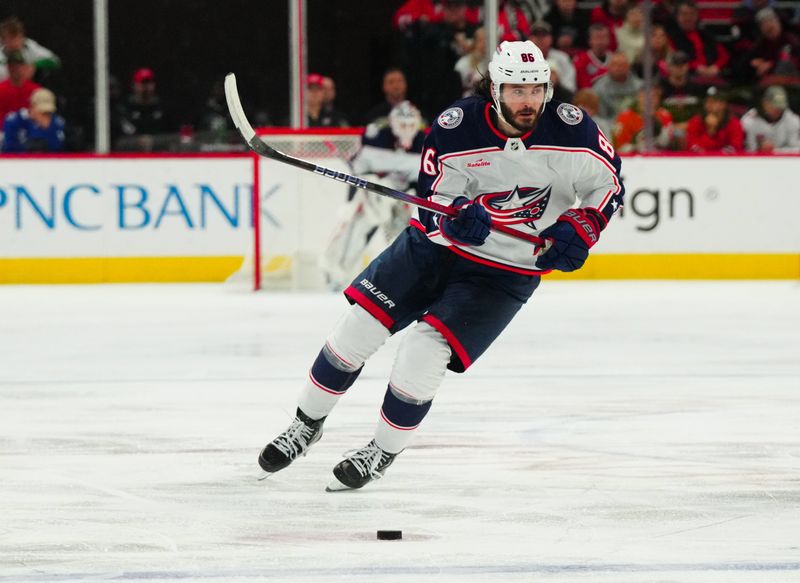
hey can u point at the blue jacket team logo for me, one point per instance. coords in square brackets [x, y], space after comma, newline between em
[522, 205]
[571, 114]
[451, 118]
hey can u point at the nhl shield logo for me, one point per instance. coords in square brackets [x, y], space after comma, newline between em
[450, 118]
[571, 114]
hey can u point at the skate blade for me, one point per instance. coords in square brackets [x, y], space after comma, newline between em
[336, 486]
[263, 475]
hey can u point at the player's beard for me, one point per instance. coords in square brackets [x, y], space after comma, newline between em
[518, 123]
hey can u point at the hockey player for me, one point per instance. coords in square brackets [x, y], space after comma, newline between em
[389, 154]
[509, 155]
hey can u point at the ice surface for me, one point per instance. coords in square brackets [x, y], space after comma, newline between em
[617, 432]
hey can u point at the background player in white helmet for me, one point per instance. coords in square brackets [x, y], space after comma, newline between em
[510, 156]
[390, 155]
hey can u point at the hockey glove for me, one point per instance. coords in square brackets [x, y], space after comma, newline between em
[572, 235]
[470, 226]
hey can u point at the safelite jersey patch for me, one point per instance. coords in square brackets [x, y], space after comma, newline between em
[450, 118]
[571, 114]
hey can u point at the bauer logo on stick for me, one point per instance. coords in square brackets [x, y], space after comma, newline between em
[450, 118]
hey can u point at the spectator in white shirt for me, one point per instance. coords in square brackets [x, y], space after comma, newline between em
[37, 57]
[772, 127]
[473, 66]
[630, 36]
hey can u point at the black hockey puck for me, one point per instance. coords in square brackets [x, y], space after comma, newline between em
[390, 534]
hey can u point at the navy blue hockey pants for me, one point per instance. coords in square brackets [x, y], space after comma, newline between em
[468, 303]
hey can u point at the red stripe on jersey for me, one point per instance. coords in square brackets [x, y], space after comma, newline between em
[470, 152]
[598, 157]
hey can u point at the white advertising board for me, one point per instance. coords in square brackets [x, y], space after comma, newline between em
[122, 207]
[299, 208]
[706, 205]
[151, 207]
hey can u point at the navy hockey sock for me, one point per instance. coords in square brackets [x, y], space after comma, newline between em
[400, 416]
[328, 376]
[327, 381]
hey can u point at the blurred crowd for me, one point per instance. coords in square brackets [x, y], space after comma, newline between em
[27, 108]
[724, 77]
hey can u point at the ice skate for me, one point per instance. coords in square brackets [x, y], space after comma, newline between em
[289, 445]
[361, 467]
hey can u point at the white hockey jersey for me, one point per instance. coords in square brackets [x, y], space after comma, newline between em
[784, 133]
[524, 183]
[382, 154]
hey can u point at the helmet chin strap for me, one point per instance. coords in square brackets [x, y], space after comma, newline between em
[499, 111]
[496, 98]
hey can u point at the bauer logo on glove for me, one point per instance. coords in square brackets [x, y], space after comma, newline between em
[571, 237]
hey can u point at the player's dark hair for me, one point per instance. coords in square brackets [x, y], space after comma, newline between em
[484, 87]
[393, 69]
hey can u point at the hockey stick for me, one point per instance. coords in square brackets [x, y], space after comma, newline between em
[263, 149]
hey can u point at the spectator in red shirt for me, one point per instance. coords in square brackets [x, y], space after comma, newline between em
[411, 11]
[715, 130]
[707, 57]
[612, 14]
[15, 92]
[592, 64]
[512, 23]
[317, 115]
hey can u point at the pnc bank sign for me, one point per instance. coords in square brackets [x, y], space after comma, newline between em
[125, 206]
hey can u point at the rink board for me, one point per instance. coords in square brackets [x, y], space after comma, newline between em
[81, 219]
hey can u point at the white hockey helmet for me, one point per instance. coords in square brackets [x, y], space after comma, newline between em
[519, 62]
[405, 120]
